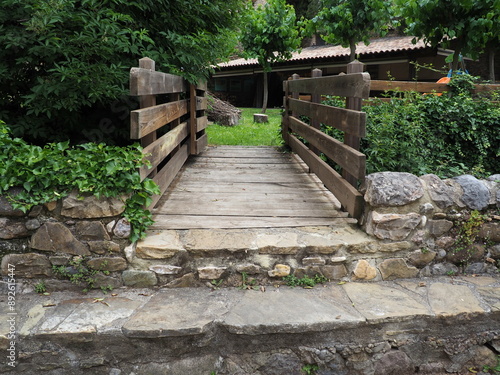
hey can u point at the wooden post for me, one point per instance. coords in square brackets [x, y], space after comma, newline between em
[315, 98]
[355, 104]
[148, 101]
[192, 119]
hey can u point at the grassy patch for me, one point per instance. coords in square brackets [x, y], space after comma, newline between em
[248, 133]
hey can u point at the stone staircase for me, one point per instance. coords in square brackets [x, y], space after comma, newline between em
[196, 257]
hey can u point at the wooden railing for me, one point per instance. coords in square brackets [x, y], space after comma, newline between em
[181, 121]
[355, 86]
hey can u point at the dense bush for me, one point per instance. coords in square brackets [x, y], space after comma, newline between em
[64, 64]
[50, 173]
[419, 134]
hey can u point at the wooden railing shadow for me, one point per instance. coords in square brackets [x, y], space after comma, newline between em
[169, 132]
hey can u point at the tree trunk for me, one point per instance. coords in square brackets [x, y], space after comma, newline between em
[491, 63]
[352, 46]
[266, 94]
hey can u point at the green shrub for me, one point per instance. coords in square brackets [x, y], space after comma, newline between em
[49, 173]
[423, 134]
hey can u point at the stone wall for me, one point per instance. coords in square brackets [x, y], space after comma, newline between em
[429, 214]
[58, 233]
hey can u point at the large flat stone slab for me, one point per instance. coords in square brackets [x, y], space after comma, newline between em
[381, 302]
[448, 299]
[287, 310]
[178, 312]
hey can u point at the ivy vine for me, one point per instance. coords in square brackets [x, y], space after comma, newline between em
[51, 172]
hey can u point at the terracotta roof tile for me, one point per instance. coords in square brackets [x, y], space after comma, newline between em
[381, 45]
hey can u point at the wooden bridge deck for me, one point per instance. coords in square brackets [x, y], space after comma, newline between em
[246, 187]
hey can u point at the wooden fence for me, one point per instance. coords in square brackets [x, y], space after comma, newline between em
[169, 132]
[355, 86]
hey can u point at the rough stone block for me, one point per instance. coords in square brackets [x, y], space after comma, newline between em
[285, 243]
[91, 207]
[334, 272]
[11, 229]
[439, 227]
[441, 194]
[447, 299]
[490, 231]
[103, 247]
[122, 228]
[364, 271]
[249, 268]
[6, 208]
[165, 269]
[91, 231]
[56, 237]
[203, 242]
[280, 270]
[397, 269]
[394, 227]
[392, 189]
[29, 265]
[313, 261]
[160, 245]
[111, 264]
[210, 273]
[476, 195]
[419, 258]
[139, 279]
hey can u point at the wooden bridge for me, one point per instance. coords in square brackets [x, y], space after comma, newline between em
[249, 187]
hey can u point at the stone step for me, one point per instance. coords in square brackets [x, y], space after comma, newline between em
[429, 326]
[196, 256]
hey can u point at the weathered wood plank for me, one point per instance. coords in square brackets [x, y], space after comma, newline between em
[214, 222]
[201, 143]
[167, 174]
[377, 85]
[163, 146]
[348, 158]
[250, 187]
[223, 176]
[356, 85]
[350, 198]
[201, 103]
[352, 122]
[150, 82]
[146, 120]
[201, 123]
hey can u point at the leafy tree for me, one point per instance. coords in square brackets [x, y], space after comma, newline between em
[270, 34]
[64, 64]
[468, 23]
[348, 22]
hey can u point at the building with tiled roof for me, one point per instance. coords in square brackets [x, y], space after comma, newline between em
[240, 81]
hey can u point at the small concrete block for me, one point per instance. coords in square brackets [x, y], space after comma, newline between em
[210, 273]
[260, 118]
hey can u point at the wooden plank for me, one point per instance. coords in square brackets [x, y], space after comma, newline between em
[201, 123]
[350, 198]
[192, 119]
[214, 222]
[377, 85]
[347, 157]
[219, 160]
[250, 187]
[223, 176]
[160, 149]
[201, 103]
[486, 88]
[303, 197]
[167, 174]
[150, 82]
[355, 85]
[146, 120]
[201, 143]
[349, 121]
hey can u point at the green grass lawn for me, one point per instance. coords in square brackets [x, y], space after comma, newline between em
[248, 133]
